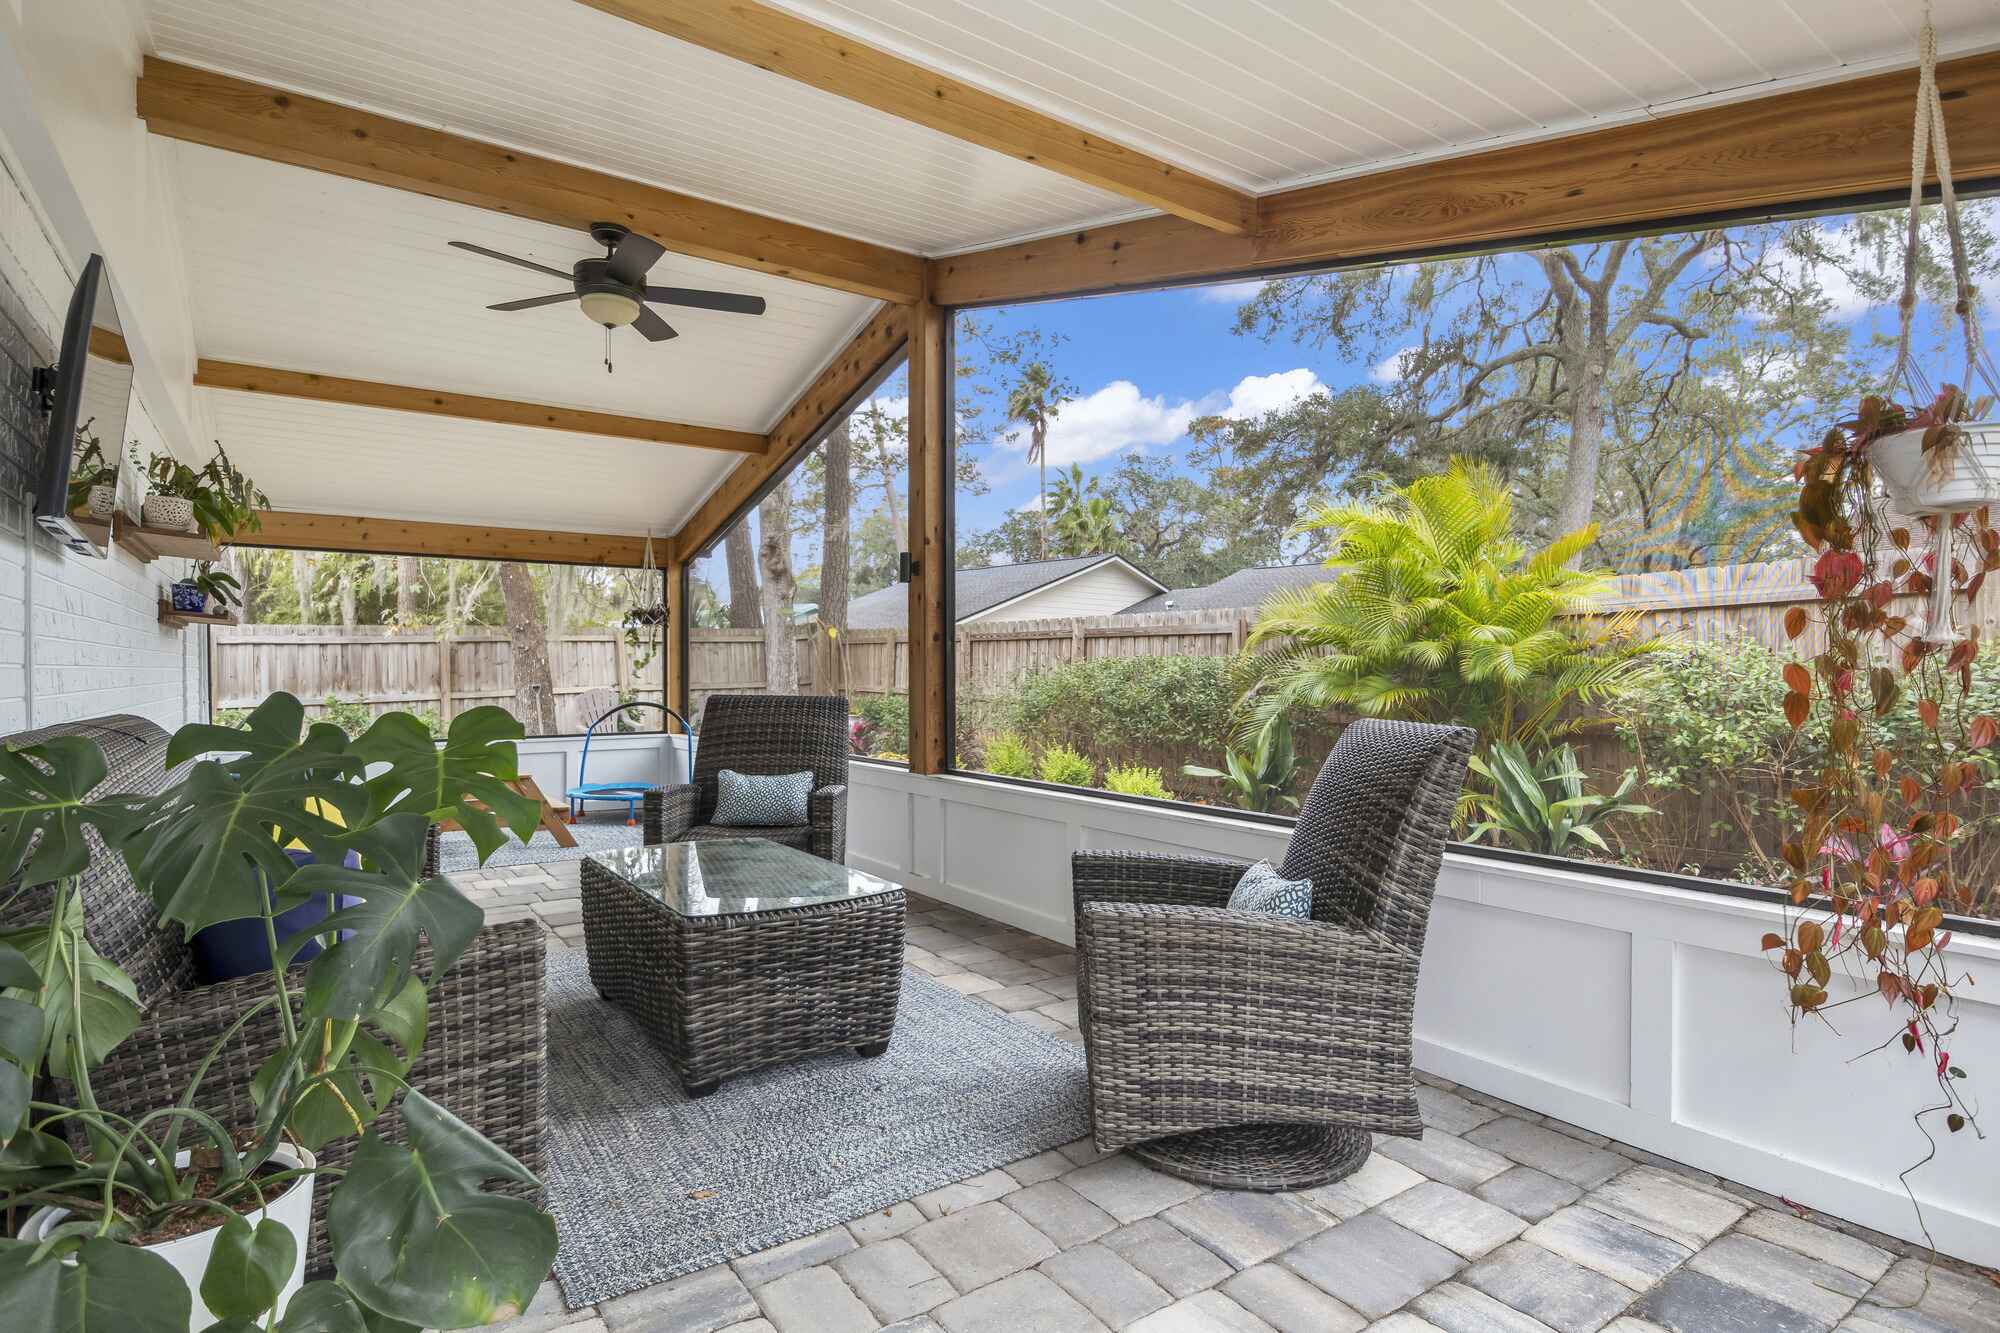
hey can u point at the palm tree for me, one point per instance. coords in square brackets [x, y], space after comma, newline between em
[1438, 613]
[1034, 401]
[1084, 519]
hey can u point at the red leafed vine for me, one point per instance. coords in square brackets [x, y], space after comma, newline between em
[1872, 858]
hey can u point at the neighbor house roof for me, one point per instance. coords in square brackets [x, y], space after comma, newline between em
[978, 590]
[1246, 589]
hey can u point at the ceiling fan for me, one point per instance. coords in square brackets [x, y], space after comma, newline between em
[612, 291]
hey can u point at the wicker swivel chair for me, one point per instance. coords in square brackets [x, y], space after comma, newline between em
[762, 733]
[1259, 1052]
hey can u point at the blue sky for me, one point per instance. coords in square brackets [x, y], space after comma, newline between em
[1143, 363]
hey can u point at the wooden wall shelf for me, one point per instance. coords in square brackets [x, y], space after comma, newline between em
[154, 543]
[181, 619]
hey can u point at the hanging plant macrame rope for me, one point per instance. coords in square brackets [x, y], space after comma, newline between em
[1929, 140]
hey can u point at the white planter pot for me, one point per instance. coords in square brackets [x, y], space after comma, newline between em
[103, 502]
[168, 511]
[189, 1254]
[1972, 480]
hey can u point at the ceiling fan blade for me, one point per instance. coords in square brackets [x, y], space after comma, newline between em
[653, 328]
[734, 303]
[509, 259]
[530, 302]
[632, 259]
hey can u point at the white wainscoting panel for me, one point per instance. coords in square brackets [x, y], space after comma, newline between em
[1639, 1011]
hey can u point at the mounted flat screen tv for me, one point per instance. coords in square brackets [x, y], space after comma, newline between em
[89, 395]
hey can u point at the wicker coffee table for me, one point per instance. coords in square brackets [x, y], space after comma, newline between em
[742, 952]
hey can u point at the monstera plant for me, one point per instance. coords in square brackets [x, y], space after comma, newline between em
[416, 1239]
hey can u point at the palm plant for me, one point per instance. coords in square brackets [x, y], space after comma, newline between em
[1034, 401]
[1085, 522]
[1542, 807]
[1438, 613]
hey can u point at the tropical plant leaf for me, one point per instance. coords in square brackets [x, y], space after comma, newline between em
[362, 1072]
[415, 1238]
[74, 980]
[44, 808]
[110, 1288]
[248, 1267]
[212, 842]
[361, 974]
[464, 779]
[322, 1307]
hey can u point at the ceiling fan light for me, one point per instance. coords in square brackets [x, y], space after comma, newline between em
[610, 309]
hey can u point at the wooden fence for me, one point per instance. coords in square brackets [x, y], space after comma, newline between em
[384, 670]
[1709, 604]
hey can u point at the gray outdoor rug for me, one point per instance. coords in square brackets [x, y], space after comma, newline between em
[456, 853]
[647, 1185]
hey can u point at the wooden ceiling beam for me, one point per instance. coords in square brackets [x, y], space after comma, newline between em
[1837, 141]
[832, 62]
[243, 117]
[857, 367]
[241, 378]
[291, 530]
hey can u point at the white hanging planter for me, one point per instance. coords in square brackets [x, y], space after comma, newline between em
[103, 502]
[1971, 479]
[172, 512]
[189, 1254]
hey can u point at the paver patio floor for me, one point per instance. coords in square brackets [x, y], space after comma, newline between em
[1499, 1219]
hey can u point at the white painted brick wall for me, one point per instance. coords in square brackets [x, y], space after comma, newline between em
[79, 637]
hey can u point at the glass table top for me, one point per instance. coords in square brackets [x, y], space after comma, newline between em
[737, 876]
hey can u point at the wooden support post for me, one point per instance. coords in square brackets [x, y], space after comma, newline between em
[674, 670]
[930, 482]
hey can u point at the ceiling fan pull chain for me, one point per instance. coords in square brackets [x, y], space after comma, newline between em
[607, 349]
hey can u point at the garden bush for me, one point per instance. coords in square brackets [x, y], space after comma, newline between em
[1009, 756]
[1062, 764]
[347, 714]
[1137, 780]
[885, 723]
[1116, 704]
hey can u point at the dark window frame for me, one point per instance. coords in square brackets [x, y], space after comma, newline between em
[1879, 200]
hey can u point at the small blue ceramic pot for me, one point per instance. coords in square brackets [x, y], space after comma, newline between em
[189, 597]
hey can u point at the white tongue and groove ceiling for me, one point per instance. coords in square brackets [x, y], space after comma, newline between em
[302, 270]
[1268, 94]
[306, 271]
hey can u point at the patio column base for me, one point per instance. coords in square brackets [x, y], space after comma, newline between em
[1259, 1157]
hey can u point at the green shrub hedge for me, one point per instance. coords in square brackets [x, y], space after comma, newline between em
[1060, 763]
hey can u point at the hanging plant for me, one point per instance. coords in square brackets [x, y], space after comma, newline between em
[1874, 858]
[646, 615]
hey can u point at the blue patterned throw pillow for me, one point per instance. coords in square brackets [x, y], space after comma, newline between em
[761, 800]
[1263, 889]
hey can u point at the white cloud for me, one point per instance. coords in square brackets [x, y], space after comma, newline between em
[1254, 395]
[1390, 368]
[1230, 293]
[1118, 418]
[1115, 418]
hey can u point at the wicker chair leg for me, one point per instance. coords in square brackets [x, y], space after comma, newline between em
[1267, 1158]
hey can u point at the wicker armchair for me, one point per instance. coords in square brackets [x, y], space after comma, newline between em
[483, 1054]
[762, 733]
[1258, 1052]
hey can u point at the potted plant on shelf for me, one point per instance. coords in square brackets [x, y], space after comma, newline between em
[93, 479]
[206, 585]
[216, 499]
[164, 1218]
